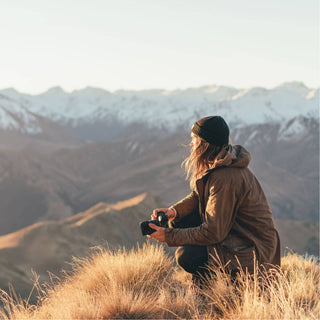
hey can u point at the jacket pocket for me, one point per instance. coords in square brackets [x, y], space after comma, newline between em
[239, 258]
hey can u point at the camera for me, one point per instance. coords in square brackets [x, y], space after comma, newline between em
[162, 221]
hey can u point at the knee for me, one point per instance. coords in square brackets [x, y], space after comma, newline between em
[180, 256]
[184, 260]
[181, 259]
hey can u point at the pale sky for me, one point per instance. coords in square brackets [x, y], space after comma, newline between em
[168, 44]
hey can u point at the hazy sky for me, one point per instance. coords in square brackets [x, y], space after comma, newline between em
[142, 44]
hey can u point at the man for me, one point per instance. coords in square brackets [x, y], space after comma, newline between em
[226, 216]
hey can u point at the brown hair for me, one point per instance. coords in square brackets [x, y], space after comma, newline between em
[201, 158]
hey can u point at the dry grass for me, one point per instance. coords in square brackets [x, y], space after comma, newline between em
[144, 283]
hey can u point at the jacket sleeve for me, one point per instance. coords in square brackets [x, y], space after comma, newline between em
[186, 206]
[219, 216]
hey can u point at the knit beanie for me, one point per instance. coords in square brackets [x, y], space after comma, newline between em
[212, 129]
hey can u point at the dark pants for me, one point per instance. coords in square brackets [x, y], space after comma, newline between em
[192, 258]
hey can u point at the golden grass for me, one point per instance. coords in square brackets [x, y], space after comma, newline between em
[145, 283]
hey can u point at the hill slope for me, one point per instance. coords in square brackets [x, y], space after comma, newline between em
[49, 245]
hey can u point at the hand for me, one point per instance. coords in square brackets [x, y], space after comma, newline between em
[168, 211]
[159, 234]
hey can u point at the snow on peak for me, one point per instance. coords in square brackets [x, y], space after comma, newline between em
[297, 87]
[252, 92]
[91, 91]
[294, 85]
[220, 92]
[176, 107]
[313, 94]
[293, 127]
[14, 116]
[9, 91]
[57, 90]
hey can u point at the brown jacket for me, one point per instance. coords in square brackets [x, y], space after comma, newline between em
[235, 214]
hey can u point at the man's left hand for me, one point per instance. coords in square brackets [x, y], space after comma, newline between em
[158, 234]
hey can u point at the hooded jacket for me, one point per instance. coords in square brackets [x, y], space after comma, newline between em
[237, 222]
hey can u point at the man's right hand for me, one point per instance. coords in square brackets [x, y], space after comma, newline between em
[168, 211]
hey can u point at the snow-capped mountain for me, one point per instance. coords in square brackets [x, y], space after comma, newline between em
[20, 127]
[168, 109]
[15, 117]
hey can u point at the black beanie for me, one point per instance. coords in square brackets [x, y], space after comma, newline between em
[212, 129]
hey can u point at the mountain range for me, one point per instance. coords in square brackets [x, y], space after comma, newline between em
[88, 112]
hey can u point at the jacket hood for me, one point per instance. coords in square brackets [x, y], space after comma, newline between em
[234, 156]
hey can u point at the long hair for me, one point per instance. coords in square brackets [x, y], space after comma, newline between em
[201, 158]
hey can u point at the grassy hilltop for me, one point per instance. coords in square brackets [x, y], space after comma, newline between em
[145, 283]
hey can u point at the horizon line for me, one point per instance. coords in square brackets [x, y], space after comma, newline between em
[60, 88]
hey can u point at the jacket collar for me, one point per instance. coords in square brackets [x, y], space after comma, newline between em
[234, 156]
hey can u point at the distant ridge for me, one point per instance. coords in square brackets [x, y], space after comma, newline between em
[102, 207]
[50, 245]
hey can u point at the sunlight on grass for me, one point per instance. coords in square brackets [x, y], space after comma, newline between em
[145, 283]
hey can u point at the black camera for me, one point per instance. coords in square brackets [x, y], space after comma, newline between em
[162, 221]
